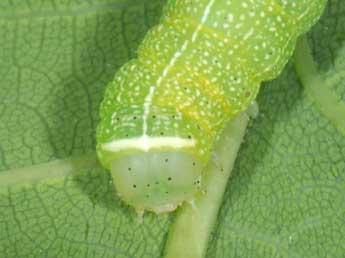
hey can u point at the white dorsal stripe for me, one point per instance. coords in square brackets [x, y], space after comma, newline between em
[149, 97]
[146, 143]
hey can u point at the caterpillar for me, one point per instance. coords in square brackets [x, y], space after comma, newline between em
[199, 67]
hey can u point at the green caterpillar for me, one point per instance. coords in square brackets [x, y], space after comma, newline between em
[202, 65]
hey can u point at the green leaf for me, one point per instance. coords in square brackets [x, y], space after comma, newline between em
[286, 194]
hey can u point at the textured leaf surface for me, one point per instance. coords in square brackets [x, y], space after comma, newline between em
[286, 195]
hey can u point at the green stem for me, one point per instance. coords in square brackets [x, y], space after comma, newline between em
[329, 103]
[193, 223]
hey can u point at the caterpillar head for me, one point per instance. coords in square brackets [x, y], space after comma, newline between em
[156, 181]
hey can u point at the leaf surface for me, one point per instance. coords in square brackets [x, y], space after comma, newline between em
[286, 194]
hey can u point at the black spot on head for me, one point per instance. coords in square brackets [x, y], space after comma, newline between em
[162, 133]
[148, 185]
[169, 178]
[189, 137]
[134, 186]
[134, 117]
[193, 163]
[166, 192]
[129, 169]
[153, 116]
[166, 160]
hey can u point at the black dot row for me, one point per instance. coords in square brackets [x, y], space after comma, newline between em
[166, 160]
[153, 116]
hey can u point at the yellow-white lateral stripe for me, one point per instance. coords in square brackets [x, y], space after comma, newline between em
[147, 143]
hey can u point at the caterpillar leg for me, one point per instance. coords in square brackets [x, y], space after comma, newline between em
[157, 181]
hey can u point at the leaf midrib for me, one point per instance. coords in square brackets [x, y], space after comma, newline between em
[53, 169]
[315, 86]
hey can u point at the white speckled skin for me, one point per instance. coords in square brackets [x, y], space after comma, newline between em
[195, 70]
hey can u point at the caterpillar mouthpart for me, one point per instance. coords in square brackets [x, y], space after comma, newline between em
[157, 181]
